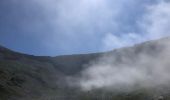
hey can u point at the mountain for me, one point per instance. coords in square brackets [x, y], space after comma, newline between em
[22, 74]
[29, 77]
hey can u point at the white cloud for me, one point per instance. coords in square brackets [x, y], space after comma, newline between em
[111, 41]
[156, 21]
[78, 22]
[99, 76]
[146, 70]
[88, 24]
[81, 21]
[153, 25]
[129, 70]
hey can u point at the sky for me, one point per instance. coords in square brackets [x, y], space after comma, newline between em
[62, 27]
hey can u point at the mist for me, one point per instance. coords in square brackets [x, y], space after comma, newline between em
[142, 66]
[133, 67]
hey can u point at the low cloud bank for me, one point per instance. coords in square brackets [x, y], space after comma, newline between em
[142, 66]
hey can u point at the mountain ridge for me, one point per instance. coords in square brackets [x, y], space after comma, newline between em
[22, 74]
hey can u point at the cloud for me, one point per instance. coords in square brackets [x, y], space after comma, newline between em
[145, 66]
[56, 25]
[129, 68]
[111, 41]
[157, 20]
[82, 21]
[153, 24]
[59, 24]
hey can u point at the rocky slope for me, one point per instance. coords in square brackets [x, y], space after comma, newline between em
[28, 77]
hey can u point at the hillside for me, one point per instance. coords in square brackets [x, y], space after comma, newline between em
[28, 77]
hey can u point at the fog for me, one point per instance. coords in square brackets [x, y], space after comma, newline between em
[129, 68]
[140, 66]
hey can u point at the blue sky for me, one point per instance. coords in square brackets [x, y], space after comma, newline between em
[61, 27]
